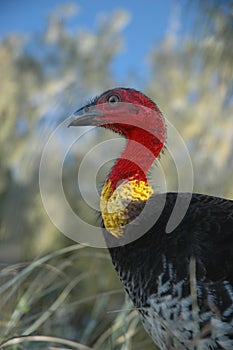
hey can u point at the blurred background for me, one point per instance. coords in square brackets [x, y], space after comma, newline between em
[54, 56]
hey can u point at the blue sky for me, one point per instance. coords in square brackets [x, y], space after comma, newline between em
[148, 24]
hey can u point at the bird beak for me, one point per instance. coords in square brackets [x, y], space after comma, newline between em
[87, 115]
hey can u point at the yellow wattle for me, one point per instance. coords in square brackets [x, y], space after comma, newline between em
[114, 203]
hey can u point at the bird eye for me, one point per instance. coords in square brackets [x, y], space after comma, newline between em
[113, 100]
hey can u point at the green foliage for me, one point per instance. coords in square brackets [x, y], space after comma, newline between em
[193, 86]
[44, 77]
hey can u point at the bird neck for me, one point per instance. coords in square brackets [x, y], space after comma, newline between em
[134, 163]
[128, 181]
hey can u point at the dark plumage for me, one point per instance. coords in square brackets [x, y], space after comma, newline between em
[156, 271]
[181, 282]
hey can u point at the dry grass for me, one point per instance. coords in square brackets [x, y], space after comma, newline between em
[68, 299]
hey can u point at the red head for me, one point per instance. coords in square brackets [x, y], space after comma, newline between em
[137, 117]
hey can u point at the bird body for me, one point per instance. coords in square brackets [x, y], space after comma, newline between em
[181, 282]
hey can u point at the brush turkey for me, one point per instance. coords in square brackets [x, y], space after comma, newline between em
[181, 282]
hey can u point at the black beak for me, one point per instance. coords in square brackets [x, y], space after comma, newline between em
[87, 115]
